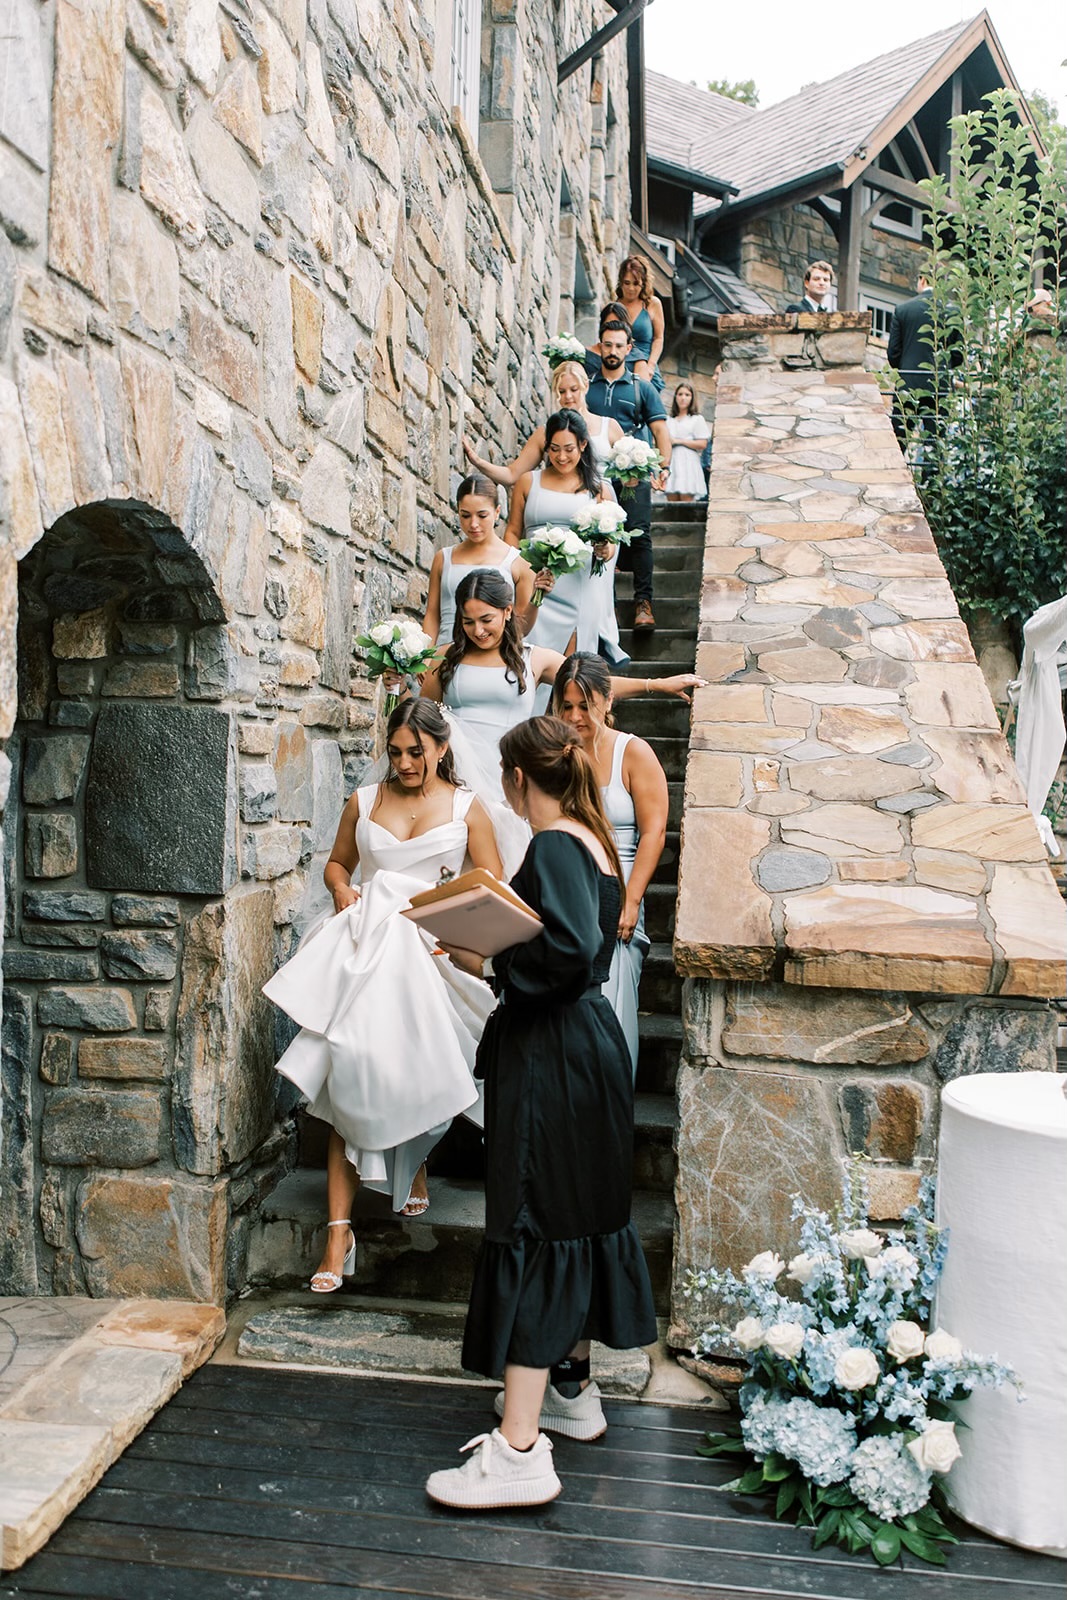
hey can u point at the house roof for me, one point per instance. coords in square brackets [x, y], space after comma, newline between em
[830, 128]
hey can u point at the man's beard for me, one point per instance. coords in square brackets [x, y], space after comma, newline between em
[612, 361]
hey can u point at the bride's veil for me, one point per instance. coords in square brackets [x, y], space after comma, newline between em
[476, 771]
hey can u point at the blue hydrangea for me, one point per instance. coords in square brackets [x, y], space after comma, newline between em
[887, 1479]
[820, 1439]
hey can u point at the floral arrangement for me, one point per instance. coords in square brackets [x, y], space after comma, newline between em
[564, 347]
[632, 461]
[396, 645]
[847, 1405]
[602, 520]
[554, 550]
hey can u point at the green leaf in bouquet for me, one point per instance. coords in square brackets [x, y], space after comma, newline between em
[775, 1468]
[829, 1527]
[749, 1482]
[722, 1444]
[925, 1548]
[858, 1533]
[885, 1546]
[804, 1496]
[787, 1494]
[839, 1494]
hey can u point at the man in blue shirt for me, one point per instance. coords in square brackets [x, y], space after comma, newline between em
[635, 405]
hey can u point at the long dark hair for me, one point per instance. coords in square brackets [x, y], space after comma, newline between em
[477, 483]
[683, 383]
[591, 675]
[615, 311]
[425, 718]
[551, 756]
[496, 591]
[573, 422]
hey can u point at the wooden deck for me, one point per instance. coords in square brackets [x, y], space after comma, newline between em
[276, 1485]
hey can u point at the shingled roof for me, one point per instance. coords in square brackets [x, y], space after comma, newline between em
[820, 130]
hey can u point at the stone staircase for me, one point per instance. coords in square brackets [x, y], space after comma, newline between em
[431, 1258]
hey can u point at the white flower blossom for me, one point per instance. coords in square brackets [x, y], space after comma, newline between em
[785, 1339]
[383, 633]
[803, 1267]
[856, 1368]
[941, 1346]
[749, 1334]
[862, 1244]
[937, 1447]
[766, 1265]
[904, 1341]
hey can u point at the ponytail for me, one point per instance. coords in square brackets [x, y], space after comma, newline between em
[551, 756]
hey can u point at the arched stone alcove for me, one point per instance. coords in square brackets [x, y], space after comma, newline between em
[136, 1042]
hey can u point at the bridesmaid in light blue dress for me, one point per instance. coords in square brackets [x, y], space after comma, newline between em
[634, 791]
[479, 548]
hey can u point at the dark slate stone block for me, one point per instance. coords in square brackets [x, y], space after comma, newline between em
[138, 911]
[158, 800]
[113, 1128]
[64, 905]
[49, 966]
[53, 767]
[139, 955]
[18, 1232]
[992, 1038]
[96, 1010]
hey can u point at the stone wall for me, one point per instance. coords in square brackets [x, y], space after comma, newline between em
[865, 908]
[773, 253]
[256, 279]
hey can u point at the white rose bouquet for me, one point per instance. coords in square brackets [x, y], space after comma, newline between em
[848, 1405]
[396, 645]
[632, 461]
[564, 347]
[600, 521]
[554, 550]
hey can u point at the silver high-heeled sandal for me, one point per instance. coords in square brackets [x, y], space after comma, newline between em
[323, 1282]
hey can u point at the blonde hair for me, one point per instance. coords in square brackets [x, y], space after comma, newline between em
[569, 369]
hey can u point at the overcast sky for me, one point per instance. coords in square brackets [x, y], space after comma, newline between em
[784, 46]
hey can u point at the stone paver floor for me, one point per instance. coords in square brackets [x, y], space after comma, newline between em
[80, 1378]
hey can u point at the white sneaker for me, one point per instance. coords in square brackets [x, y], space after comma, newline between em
[497, 1476]
[580, 1418]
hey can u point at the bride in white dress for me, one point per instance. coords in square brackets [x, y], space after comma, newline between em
[388, 1031]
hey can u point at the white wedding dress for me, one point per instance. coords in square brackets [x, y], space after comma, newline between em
[388, 1032]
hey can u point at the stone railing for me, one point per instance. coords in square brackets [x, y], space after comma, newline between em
[865, 908]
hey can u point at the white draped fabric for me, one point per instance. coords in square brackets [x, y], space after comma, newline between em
[1002, 1193]
[388, 1031]
[1039, 730]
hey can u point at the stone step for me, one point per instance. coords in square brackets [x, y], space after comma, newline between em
[659, 644]
[676, 582]
[660, 1049]
[428, 1258]
[671, 754]
[668, 557]
[655, 1126]
[654, 717]
[661, 986]
[670, 613]
[695, 511]
[660, 899]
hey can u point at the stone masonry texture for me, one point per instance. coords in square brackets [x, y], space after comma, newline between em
[865, 909]
[257, 278]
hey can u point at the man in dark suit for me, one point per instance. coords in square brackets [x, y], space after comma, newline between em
[818, 281]
[912, 354]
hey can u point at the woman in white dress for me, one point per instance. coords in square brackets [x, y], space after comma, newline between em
[388, 1032]
[634, 791]
[481, 546]
[689, 436]
[570, 384]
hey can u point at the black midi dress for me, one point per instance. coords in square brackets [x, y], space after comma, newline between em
[561, 1260]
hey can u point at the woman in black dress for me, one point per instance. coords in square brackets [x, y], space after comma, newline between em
[561, 1262]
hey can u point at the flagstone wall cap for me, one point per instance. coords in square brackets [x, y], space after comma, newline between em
[736, 324]
[847, 720]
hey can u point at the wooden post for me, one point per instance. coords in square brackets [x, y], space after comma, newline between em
[850, 247]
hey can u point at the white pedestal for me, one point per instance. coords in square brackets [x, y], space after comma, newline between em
[1002, 1192]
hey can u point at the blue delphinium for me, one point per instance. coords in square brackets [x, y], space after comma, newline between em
[886, 1478]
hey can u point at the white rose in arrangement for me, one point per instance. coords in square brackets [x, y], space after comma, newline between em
[766, 1265]
[383, 633]
[904, 1341]
[609, 518]
[642, 452]
[856, 1368]
[937, 1447]
[898, 1265]
[941, 1346]
[749, 1333]
[862, 1244]
[571, 545]
[785, 1339]
[803, 1268]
